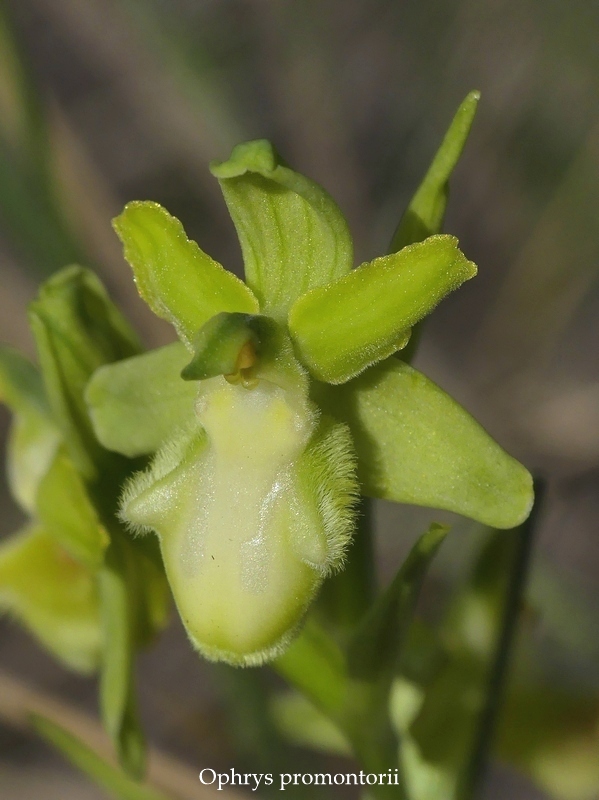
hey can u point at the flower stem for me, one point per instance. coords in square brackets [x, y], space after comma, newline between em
[519, 541]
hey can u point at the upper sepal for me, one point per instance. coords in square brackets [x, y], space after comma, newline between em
[340, 329]
[292, 234]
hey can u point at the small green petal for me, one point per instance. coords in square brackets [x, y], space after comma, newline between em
[66, 511]
[77, 329]
[52, 595]
[34, 437]
[252, 509]
[179, 282]
[415, 444]
[342, 328]
[424, 216]
[292, 234]
[135, 404]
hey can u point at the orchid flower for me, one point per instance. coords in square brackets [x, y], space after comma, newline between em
[284, 399]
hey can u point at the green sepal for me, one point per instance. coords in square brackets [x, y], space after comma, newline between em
[119, 604]
[104, 774]
[424, 215]
[179, 282]
[340, 329]
[292, 234]
[34, 437]
[375, 647]
[135, 404]
[52, 595]
[77, 329]
[416, 445]
[65, 509]
[221, 343]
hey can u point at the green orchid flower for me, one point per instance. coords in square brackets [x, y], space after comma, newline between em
[283, 401]
[47, 578]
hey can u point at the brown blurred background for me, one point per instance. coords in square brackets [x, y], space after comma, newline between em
[130, 99]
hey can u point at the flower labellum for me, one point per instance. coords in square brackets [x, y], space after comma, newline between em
[252, 504]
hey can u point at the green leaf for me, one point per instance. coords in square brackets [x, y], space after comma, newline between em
[65, 509]
[342, 328]
[77, 329]
[466, 691]
[316, 666]
[34, 437]
[136, 403]
[549, 734]
[375, 647]
[292, 234]
[113, 780]
[373, 655]
[415, 444]
[55, 597]
[117, 693]
[304, 725]
[424, 216]
[179, 282]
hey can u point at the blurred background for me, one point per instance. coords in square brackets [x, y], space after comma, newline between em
[105, 101]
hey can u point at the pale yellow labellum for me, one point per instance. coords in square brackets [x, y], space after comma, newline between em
[246, 527]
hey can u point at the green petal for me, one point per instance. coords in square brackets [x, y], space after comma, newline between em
[417, 445]
[177, 280]
[424, 216]
[252, 509]
[77, 329]
[136, 403]
[66, 511]
[34, 437]
[52, 595]
[341, 329]
[292, 234]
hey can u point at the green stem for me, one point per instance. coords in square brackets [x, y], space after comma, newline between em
[521, 546]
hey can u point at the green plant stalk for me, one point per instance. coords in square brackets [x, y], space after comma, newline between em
[317, 668]
[520, 542]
